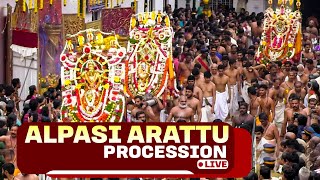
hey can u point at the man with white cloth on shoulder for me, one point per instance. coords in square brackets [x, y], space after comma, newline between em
[234, 85]
[209, 98]
[222, 94]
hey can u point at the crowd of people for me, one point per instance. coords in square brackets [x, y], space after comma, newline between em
[218, 81]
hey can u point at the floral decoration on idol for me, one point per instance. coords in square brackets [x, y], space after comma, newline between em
[281, 39]
[149, 65]
[92, 76]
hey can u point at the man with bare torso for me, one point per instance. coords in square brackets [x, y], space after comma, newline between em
[197, 92]
[203, 60]
[307, 53]
[243, 116]
[182, 112]
[209, 98]
[289, 85]
[266, 104]
[194, 103]
[234, 85]
[274, 74]
[214, 69]
[11, 145]
[138, 102]
[248, 74]
[185, 68]
[254, 104]
[310, 69]
[270, 134]
[222, 96]
[198, 77]
[152, 108]
[276, 93]
[299, 91]
[289, 113]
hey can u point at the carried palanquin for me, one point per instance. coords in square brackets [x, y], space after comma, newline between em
[149, 66]
[92, 77]
[281, 39]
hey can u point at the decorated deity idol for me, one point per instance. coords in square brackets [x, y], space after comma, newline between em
[282, 36]
[92, 78]
[149, 66]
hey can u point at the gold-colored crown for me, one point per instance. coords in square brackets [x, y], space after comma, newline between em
[286, 2]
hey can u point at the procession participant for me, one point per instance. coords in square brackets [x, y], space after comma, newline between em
[209, 98]
[197, 92]
[303, 77]
[310, 69]
[152, 107]
[249, 73]
[274, 73]
[214, 69]
[222, 94]
[233, 53]
[266, 104]
[299, 91]
[181, 112]
[234, 85]
[254, 103]
[138, 102]
[10, 157]
[185, 68]
[7, 171]
[286, 68]
[290, 112]
[214, 55]
[289, 85]
[23, 176]
[198, 77]
[243, 116]
[140, 117]
[202, 59]
[194, 103]
[312, 104]
[270, 135]
[276, 93]
[307, 53]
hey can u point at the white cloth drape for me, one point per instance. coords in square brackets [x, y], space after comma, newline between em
[24, 51]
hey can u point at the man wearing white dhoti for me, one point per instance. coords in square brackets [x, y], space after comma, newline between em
[222, 94]
[234, 86]
[244, 92]
[209, 95]
[233, 105]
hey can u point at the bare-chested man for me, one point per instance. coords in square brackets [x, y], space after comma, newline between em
[137, 106]
[197, 92]
[233, 52]
[276, 93]
[289, 85]
[310, 69]
[220, 48]
[194, 103]
[182, 112]
[213, 55]
[307, 53]
[214, 69]
[11, 143]
[198, 78]
[299, 91]
[270, 135]
[234, 85]
[312, 29]
[222, 96]
[254, 104]
[266, 104]
[304, 78]
[152, 108]
[274, 74]
[23, 176]
[249, 73]
[185, 68]
[289, 113]
[203, 60]
[209, 98]
[243, 116]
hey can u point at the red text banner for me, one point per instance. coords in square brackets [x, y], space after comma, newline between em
[134, 150]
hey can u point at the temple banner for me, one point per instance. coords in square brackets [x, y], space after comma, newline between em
[92, 75]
